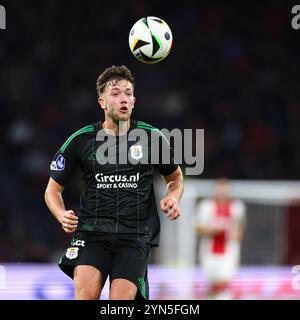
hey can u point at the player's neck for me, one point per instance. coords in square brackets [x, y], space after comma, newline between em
[118, 128]
[222, 200]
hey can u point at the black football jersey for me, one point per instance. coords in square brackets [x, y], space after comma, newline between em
[117, 196]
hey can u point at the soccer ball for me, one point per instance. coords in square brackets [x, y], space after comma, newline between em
[150, 39]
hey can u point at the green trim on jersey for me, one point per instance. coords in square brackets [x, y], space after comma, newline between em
[93, 156]
[142, 286]
[86, 129]
[144, 125]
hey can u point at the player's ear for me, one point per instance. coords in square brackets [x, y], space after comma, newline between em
[101, 102]
[134, 100]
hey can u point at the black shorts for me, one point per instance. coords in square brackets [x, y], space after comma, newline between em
[115, 256]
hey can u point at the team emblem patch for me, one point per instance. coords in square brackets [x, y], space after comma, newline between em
[72, 253]
[58, 164]
[136, 152]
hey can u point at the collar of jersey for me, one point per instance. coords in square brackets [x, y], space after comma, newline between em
[133, 124]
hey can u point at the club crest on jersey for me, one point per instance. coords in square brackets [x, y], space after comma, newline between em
[72, 253]
[136, 152]
[58, 164]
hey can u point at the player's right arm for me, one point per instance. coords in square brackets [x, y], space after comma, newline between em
[209, 231]
[55, 203]
[205, 225]
[62, 168]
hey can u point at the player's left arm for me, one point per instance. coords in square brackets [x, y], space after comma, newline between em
[170, 204]
[240, 231]
[241, 221]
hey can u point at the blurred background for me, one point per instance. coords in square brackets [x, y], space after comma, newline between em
[232, 71]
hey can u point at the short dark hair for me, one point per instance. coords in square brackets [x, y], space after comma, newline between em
[113, 73]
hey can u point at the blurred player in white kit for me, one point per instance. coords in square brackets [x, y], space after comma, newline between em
[220, 222]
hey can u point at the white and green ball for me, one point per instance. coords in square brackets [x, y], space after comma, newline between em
[150, 39]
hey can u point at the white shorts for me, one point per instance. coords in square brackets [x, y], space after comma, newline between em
[219, 268]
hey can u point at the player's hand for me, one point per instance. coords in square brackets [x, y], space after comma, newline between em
[220, 226]
[170, 206]
[69, 221]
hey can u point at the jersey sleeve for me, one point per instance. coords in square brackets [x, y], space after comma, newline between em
[240, 211]
[64, 162]
[203, 214]
[166, 164]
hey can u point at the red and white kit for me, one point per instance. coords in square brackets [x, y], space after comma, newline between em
[220, 253]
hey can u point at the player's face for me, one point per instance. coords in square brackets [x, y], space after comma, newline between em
[222, 190]
[117, 100]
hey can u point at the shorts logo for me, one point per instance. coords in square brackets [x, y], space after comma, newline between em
[58, 164]
[136, 152]
[72, 253]
[78, 243]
